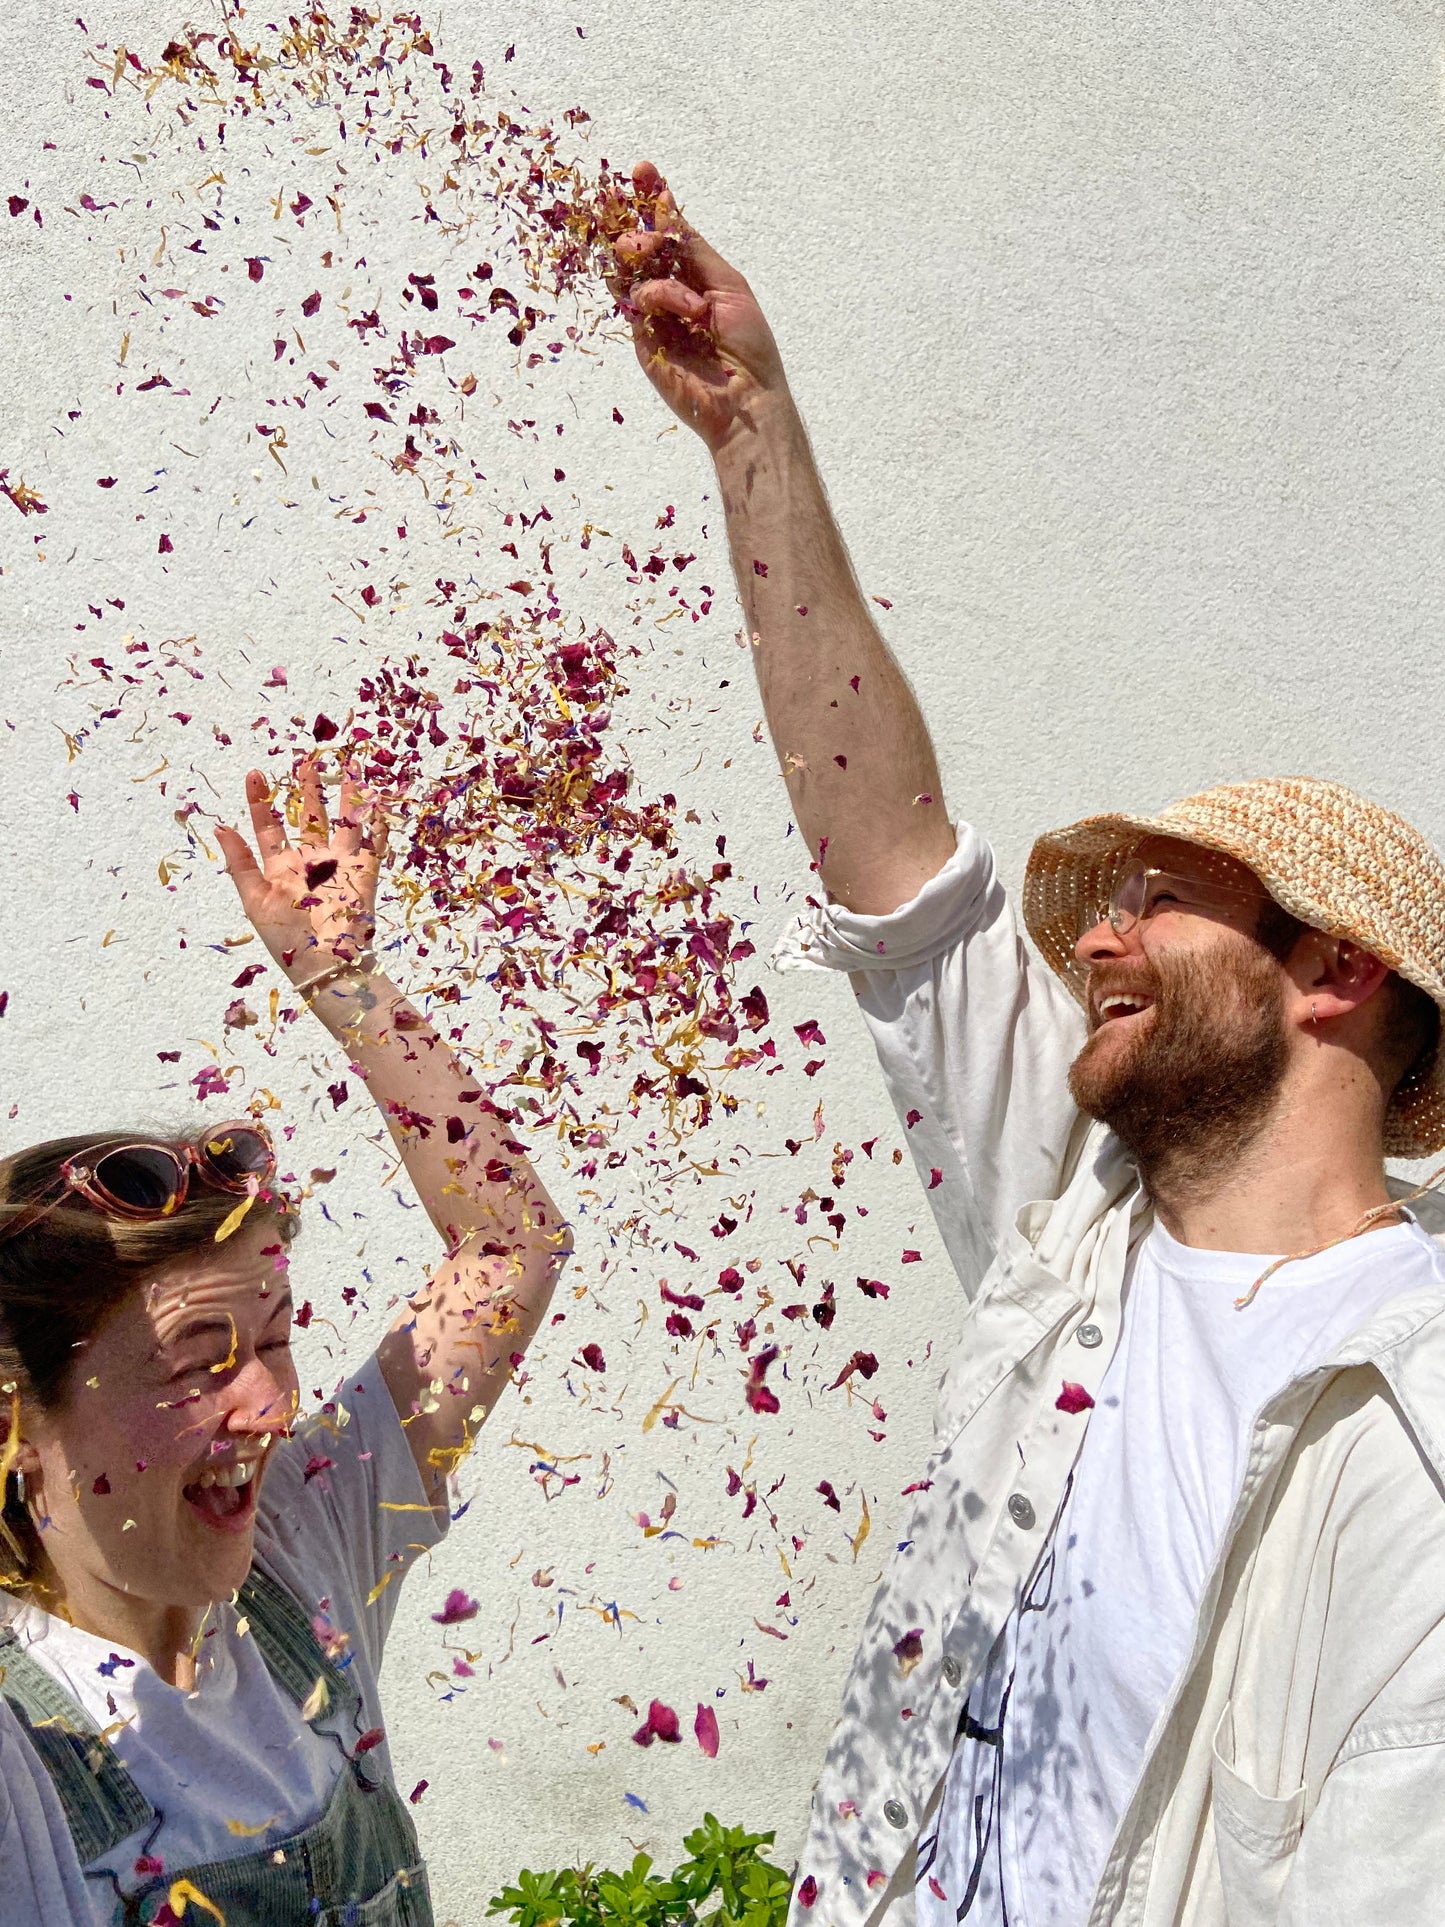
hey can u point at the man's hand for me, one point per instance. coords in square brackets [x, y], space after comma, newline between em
[852, 744]
[699, 332]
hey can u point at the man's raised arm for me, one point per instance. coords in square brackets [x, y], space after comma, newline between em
[853, 746]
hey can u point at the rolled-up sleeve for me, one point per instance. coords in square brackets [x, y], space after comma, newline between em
[974, 1037]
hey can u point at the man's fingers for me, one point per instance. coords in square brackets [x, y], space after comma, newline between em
[699, 262]
[672, 298]
[636, 249]
[680, 252]
[266, 823]
[706, 266]
[647, 180]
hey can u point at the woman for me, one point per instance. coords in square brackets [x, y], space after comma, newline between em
[197, 1585]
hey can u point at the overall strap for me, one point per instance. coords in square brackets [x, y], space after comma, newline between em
[295, 1657]
[101, 1802]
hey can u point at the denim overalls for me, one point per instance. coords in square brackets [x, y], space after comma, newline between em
[357, 1866]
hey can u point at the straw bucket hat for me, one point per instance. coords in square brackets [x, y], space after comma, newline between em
[1331, 858]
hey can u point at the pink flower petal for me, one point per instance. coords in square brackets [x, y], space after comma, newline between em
[457, 1608]
[705, 1727]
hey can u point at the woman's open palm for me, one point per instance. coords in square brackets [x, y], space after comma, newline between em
[312, 902]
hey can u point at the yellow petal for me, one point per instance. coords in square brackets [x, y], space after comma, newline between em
[233, 1222]
[183, 1893]
[243, 1832]
[865, 1526]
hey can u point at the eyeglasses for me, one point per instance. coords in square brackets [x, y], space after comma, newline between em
[1139, 891]
[146, 1180]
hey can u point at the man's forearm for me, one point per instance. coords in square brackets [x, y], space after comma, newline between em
[853, 746]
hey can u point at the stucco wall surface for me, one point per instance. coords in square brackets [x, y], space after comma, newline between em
[1120, 330]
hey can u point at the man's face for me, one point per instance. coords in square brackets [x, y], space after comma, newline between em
[1187, 1043]
[149, 1469]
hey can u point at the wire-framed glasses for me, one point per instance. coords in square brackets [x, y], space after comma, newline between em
[1140, 889]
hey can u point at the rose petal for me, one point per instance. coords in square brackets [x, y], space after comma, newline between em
[705, 1727]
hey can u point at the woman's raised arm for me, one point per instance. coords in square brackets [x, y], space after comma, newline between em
[312, 903]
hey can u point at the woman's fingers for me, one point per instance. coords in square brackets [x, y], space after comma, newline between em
[350, 825]
[241, 866]
[380, 832]
[315, 827]
[235, 849]
[266, 823]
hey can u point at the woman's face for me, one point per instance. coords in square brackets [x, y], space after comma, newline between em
[146, 1476]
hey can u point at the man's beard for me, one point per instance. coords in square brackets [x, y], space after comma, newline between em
[1189, 1092]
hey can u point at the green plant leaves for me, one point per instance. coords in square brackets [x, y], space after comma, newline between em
[724, 1877]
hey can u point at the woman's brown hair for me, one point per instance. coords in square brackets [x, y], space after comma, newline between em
[62, 1278]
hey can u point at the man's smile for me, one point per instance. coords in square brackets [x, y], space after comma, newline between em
[1121, 1003]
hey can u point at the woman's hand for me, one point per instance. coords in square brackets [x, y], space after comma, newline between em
[696, 324]
[312, 903]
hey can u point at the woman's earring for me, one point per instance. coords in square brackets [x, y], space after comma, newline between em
[20, 1487]
[1313, 1019]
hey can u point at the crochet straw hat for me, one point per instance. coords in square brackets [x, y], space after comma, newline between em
[1331, 858]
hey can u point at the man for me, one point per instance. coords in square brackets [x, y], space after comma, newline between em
[1164, 1637]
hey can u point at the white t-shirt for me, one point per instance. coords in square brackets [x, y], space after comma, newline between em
[236, 1748]
[1057, 1729]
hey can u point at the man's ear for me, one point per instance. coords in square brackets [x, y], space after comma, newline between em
[1334, 976]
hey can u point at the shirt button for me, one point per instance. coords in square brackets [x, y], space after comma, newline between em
[1089, 1336]
[895, 1813]
[1020, 1511]
[952, 1670]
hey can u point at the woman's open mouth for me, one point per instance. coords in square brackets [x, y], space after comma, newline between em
[225, 1496]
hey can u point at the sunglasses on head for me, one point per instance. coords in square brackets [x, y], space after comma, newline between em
[148, 1180]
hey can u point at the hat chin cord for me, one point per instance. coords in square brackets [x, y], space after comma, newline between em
[1371, 1217]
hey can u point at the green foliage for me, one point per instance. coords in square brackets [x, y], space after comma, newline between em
[724, 1880]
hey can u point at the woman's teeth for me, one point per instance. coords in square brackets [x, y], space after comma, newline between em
[241, 1473]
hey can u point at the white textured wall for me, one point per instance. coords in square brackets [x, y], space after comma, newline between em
[1119, 330]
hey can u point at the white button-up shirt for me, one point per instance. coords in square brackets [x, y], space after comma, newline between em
[1297, 1774]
